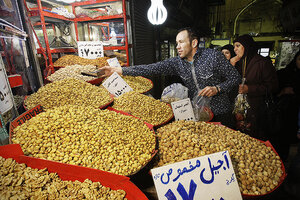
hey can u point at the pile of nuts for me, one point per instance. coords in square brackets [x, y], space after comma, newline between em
[69, 91]
[89, 137]
[147, 108]
[21, 182]
[73, 60]
[73, 71]
[257, 167]
[138, 83]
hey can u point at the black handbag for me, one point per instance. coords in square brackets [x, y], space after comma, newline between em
[271, 115]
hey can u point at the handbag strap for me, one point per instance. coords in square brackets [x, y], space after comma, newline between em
[244, 67]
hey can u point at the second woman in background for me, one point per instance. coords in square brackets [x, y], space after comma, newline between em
[228, 51]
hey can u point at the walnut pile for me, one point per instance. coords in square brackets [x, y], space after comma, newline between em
[147, 108]
[69, 91]
[257, 167]
[20, 182]
[89, 137]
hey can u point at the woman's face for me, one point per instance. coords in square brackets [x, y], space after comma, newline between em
[226, 53]
[239, 49]
[298, 62]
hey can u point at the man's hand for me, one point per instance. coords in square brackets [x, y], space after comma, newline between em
[209, 91]
[108, 70]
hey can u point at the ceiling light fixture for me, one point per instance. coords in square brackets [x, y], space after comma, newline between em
[157, 13]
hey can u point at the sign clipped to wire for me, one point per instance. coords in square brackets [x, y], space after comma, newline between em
[6, 98]
[116, 85]
[183, 110]
[209, 177]
[113, 62]
[90, 49]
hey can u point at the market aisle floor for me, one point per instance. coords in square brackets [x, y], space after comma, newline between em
[145, 182]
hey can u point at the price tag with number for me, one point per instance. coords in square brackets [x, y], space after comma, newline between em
[209, 177]
[116, 85]
[113, 62]
[183, 110]
[90, 49]
[6, 102]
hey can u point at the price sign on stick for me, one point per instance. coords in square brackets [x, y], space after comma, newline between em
[183, 110]
[113, 62]
[209, 177]
[90, 49]
[116, 85]
[6, 100]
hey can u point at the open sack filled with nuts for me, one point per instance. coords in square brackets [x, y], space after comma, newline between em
[69, 92]
[138, 83]
[24, 177]
[257, 166]
[85, 136]
[144, 107]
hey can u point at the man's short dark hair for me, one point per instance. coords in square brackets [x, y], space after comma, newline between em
[192, 33]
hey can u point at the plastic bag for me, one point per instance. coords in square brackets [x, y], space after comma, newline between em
[92, 13]
[240, 110]
[64, 12]
[201, 107]
[174, 92]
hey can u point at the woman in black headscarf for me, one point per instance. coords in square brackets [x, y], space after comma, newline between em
[228, 51]
[260, 77]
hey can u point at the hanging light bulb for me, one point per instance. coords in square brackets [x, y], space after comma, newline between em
[157, 13]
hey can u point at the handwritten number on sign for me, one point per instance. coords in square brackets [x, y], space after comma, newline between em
[180, 189]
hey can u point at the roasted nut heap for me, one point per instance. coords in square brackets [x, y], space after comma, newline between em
[21, 182]
[138, 83]
[73, 60]
[69, 91]
[73, 71]
[256, 166]
[147, 108]
[89, 137]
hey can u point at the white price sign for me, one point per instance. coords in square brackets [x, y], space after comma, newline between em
[209, 177]
[116, 85]
[183, 110]
[113, 62]
[6, 102]
[90, 49]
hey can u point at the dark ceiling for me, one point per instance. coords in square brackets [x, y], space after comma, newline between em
[183, 13]
[193, 13]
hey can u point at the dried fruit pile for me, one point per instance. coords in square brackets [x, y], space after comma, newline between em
[147, 108]
[89, 137]
[69, 92]
[73, 71]
[257, 167]
[21, 182]
[73, 60]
